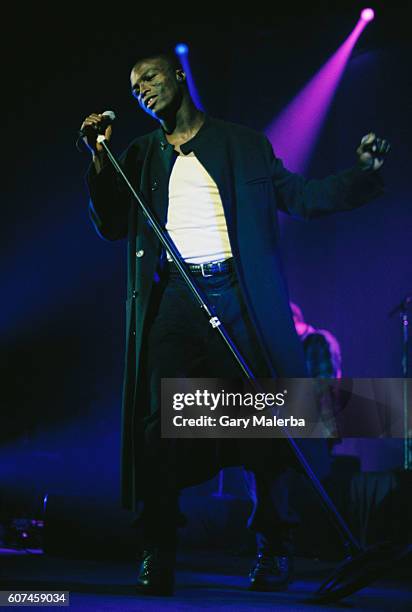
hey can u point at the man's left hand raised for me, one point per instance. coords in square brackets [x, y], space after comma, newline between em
[372, 152]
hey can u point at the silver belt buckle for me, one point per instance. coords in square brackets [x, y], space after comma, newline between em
[202, 268]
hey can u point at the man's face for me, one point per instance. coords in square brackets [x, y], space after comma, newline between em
[155, 85]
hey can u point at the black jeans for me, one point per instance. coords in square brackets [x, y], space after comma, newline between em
[181, 344]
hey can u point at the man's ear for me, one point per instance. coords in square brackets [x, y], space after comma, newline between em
[180, 75]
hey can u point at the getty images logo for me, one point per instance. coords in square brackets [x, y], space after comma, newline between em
[223, 399]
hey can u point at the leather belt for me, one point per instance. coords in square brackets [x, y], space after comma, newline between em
[210, 268]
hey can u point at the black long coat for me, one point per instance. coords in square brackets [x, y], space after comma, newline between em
[253, 185]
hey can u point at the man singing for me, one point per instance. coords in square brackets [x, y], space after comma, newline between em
[216, 188]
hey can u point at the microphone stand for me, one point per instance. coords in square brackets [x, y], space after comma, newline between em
[349, 576]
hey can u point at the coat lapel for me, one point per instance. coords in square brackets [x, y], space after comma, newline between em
[162, 159]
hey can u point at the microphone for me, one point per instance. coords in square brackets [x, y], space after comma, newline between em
[108, 118]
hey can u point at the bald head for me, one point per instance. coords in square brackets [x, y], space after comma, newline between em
[168, 60]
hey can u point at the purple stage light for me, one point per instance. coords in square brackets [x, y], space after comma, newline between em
[367, 14]
[295, 131]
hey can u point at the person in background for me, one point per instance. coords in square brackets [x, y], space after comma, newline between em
[322, 350]
[323, 360]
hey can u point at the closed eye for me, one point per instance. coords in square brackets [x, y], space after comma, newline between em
[146, 78]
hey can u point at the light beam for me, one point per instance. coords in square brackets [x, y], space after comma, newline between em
[182, 51]
[295, 131]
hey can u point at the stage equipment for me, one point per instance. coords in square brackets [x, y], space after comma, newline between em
[402, 308]
[361, 566]
[367, 14]
[182, 49]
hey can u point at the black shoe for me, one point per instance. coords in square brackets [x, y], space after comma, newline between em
[157, 572]
[271, 573]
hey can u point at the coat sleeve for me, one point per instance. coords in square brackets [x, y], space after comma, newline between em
[309, 198]
[109, 201]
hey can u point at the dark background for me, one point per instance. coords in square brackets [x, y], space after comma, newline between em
[62, 320]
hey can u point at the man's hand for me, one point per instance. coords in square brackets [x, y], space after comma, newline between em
[372, 151]
[90, 126]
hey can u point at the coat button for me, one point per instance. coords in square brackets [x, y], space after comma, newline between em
[140, 253]
[155, 185]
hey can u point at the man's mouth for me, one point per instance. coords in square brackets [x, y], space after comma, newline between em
[151, 100]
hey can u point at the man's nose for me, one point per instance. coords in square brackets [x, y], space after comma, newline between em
[144, 90]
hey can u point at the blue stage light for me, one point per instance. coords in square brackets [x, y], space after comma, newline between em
[181, 49]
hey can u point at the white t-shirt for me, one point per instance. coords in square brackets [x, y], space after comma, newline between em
[196, 220]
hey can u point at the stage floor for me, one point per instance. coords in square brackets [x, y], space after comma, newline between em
[205, 580]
